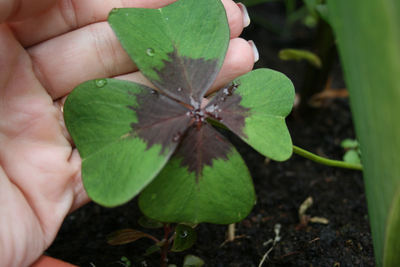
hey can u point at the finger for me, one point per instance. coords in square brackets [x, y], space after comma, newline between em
[239, 60]
[68, 15]
[18, 9]
[88, 53]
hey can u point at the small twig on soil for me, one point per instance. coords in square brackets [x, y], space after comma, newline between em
[277, 238]
[231, 235]
[231, 232]
[304, 218]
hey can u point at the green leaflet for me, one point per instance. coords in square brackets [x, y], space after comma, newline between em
[223, 194]
[191, 28]
[269, 95]
[98, 119]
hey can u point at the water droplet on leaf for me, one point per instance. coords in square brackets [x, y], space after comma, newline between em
[114, 10]
[101, 82]
[183, 234]
[176, 137]
[150, 52]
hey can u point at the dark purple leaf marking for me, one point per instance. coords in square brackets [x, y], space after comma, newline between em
[225, 107]
[186, 79]
[172, 121]
[160, 119]
[200, 146]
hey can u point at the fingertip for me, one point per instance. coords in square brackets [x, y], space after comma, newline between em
[239, 60]
[245, 14]
[256, 55]
[240, 56]
[235, 17]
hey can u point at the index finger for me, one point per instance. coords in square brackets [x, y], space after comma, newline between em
[69, 15]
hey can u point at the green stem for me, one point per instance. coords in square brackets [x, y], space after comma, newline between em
[330, 162]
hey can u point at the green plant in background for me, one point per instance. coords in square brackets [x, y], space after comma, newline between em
[368, 38]
[177, 238]
[300, 54]
[353, 152]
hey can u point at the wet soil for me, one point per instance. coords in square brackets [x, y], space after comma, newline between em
[281, 188]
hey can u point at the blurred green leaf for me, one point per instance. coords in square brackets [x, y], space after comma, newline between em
[368, 36]
[185, 237]
[323, 12]
[192, 261]
[149, 223]
[126, 261]
[299, 54]
[126, 236]
[311, 4]
[349, 144]
[152, 249]
[249, 3]
[352, 156]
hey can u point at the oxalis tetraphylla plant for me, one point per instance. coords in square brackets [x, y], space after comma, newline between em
[161, 143]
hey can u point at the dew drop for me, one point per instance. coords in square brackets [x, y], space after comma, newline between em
[101, 82]
[176, 137]
[150, 52]
[114, 10]
[183, 234]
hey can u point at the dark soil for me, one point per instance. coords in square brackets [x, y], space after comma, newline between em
[281, 188]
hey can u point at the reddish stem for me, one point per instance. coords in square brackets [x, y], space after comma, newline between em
[164, 249]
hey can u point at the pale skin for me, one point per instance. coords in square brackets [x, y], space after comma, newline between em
[47, 47]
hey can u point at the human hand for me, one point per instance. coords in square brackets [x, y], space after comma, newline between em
[47, 47]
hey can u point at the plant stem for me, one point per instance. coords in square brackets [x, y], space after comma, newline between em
[330, 162]
[164, 248]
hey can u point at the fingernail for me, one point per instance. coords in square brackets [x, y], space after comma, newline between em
[246, 17]
[255, 50]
